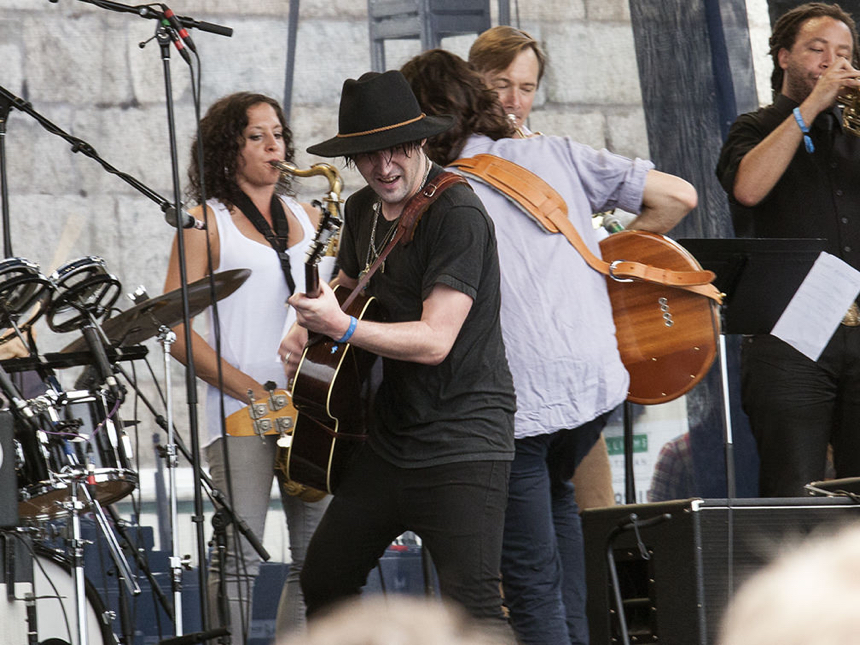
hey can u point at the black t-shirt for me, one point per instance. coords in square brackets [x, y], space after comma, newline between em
[461, 409]
[818, 196]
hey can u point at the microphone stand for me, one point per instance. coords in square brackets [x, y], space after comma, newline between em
[78, 145]
[190, 373]
[164, 36]
[5, 108]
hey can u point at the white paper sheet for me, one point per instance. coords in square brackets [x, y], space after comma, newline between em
[818, 306]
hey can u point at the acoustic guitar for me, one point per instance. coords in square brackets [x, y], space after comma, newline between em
[326, 391]
[667, 336]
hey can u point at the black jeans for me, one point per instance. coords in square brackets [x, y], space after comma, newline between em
[797, 406]
[457, 509]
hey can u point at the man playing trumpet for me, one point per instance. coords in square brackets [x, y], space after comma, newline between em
[791, 171]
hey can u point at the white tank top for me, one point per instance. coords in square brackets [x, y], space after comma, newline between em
[254, 317]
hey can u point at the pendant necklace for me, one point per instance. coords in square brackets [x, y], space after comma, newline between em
[372, 252]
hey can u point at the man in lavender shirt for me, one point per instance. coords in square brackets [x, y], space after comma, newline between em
[558, 331]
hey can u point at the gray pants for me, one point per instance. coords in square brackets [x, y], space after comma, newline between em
[252, 465]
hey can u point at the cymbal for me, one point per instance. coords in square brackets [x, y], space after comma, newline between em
[143, 321]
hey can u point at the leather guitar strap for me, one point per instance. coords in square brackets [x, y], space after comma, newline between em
[409, 218]
[549, 211]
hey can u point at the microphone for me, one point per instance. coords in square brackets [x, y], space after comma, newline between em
[179, 27]
[612, 223]
[185, 219]
[177, 41]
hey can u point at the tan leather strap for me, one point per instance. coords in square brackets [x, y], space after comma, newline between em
[549, 210]
[409, 218]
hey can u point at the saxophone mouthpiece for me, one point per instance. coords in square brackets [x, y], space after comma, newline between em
[283, 166]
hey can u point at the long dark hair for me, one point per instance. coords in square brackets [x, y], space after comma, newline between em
[222, 133]
[785, 34]
[444, 83]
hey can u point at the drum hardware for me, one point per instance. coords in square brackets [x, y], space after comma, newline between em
[79, 434]
[80, 499]
[166, 338]
[63, 360]
[24, 294]
[83, 292]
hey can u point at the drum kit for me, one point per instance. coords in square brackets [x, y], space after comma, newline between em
[72, 455]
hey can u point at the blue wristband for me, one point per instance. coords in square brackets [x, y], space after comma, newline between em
[803, 128]
[352, 323]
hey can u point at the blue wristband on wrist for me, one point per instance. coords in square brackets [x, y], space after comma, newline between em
[803, 128]
[353, 321]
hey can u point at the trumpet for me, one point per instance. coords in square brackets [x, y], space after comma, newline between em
[513, 119]
[849, 99]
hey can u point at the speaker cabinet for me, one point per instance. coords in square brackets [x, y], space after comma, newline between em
[677, 574]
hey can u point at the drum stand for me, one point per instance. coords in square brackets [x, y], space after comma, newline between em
[75, 547]
[166, 338]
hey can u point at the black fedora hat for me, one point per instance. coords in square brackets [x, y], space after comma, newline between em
[379, 111]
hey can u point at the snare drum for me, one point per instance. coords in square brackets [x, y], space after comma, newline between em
[87, 438]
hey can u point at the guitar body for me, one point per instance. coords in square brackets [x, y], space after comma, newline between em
[327, 394]
[667, 337]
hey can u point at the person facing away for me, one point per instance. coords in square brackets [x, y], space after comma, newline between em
[792, 171]
[512, 63]
[559, 333]
[440, 444]
[241, 135]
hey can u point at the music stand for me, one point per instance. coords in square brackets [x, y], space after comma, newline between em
[758, 276]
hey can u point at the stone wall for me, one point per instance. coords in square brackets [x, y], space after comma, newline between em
[82, 68]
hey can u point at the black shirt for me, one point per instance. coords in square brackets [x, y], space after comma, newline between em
[461, 409]
[818, 196]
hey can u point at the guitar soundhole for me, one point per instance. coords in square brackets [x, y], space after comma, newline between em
[667, 315]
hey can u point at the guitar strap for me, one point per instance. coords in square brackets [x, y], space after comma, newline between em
[409, 218]
[548, 209]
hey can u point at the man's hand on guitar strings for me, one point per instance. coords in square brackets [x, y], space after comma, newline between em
[322, 314]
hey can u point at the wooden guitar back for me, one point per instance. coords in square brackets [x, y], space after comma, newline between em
[667, 337]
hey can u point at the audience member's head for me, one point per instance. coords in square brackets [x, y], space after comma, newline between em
[809, 596]
[393, 620]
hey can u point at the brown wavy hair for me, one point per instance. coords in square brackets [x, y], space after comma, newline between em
[785, 34]
[495, 49]
[444, 83]
[221, 131]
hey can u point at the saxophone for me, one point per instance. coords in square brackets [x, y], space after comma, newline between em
[325, 243]
[332, 200]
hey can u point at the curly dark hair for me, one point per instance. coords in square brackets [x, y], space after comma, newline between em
[222, 133]
[444, 83]
[785, 34]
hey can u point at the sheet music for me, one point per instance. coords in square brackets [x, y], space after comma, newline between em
[818, 306]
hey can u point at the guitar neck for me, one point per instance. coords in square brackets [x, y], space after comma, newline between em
[312, 281]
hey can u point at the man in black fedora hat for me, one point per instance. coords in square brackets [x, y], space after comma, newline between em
[441, 439]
